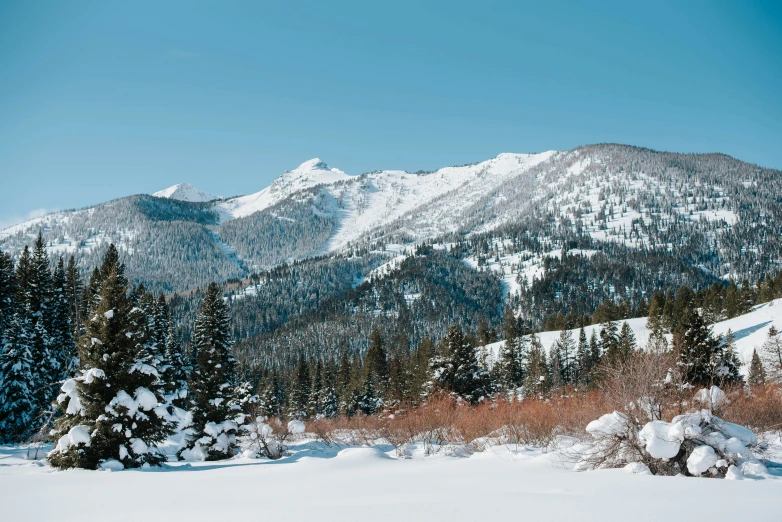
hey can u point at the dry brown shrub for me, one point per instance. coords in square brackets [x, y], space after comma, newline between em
[760, 411]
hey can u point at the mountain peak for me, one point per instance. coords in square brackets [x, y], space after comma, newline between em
[311, 172]
[185, 192]
[313, 164]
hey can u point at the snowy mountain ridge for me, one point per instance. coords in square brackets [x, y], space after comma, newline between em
[714, 211]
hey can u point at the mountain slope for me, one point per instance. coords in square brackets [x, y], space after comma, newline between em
[707, 210]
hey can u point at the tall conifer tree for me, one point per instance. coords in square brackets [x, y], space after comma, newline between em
[213, 432]
[113, 409]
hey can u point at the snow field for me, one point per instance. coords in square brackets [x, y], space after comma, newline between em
[361, 483]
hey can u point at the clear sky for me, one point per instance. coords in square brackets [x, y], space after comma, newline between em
[105, 99]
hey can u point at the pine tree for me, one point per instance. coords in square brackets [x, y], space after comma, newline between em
[537, 379]
[757, 374]
[556, 366]
[112, 410]
[627, 344]
[177, 373]
[467, 379]
[698, 348]
[34, 297]
[565, 350]
[594, 349]
[344, 383]
[329, 403]
[771, 354]
[509, 368]
[583, 367]
[300, 392]
[271, 399]
[610, 344]
[61, 344]
[726, 363]
[7, 293]
[316, 390]
[213, 431]
[18, 408]
[657, 342]
[419, 369]
[376, 365]
[369, 402]
[733, 300]
[73, 290]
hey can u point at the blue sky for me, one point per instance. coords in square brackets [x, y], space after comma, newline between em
[105, 99]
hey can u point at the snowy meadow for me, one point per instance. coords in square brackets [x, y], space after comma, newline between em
[338, 482]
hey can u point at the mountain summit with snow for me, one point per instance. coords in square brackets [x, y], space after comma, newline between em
[307, 175]
[185, 192]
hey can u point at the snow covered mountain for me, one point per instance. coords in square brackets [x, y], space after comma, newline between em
[715, 212]
[185, 192]
[307, 175]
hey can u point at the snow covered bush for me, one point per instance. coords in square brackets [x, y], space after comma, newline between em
[692, 444]
[265, 437]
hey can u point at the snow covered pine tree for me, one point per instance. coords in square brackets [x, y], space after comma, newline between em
[113, 411]
[213, 431]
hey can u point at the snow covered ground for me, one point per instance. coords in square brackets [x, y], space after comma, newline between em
[317, 482]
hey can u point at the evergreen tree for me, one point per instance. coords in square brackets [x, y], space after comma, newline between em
[73, 291]
[771, 354]
[7, 292]
[419, 369]
[18, 408]
[757, 374]
[112, 409]
[657, 343]
[610, 345]
[329, 403]
[733, 302]
[627, 344]
[212, 384]
[698, 349]
[583, 366]
[537, 379]
[509, 368]
[62, 347]
[376, 365]
[344, 383]
[594, 349]
[271, 399]
[565, 350]
[34, 297]
[300, 390]
[176, 374]
[467, 379]
[369, 402]
[316, 390]
[726, 362]
[556, 365]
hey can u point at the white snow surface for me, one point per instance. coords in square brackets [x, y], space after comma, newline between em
[185, 192]
[701, 459]
[663, 439]
[370, 483]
